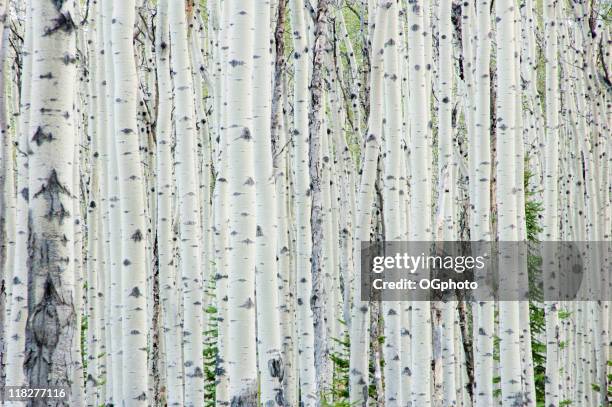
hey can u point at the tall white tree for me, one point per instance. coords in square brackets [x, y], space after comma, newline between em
[360, 313]
[241, 355]
[392, 218]
[271, 363]
[308, 382]
[169, 293]
[52, 329]
[507, 204]
[421, 201]
[131, 189]
[188, 206]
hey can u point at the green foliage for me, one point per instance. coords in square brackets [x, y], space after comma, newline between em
[537, 322]
[597, 388]
[338, 396]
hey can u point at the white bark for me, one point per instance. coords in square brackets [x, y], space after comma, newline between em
[360, 315]
[18, 288]
[241, 355]
[188, 207]
[308, 382]
[421, 199]
[510, 363]
[169, 294]
[51, 355]
[392, 219]
[131, 189]
[550, 224]
[271, 366]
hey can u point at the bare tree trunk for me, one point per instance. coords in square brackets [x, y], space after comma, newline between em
[131, 189]
[51, 329]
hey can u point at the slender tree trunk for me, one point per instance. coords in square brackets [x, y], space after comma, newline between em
[421, 201]
[550, 224]
[188, 207]
[391, 209]
[169, 293]
[241, 356]
[360, 315]
[480, 226]
[131, 184]
[308, 383]
[18, 289]
[510, 362]
[271, 366]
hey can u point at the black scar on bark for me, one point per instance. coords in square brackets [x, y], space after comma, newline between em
[196, 373]
[41, 137]
[63, 23]
[246, 134]
[51, 191]
[248, 304]
[69, 59]
[45, 326]
[135, 293]
[137, 236]
[276, 368]
[234, 63]
[25, 193]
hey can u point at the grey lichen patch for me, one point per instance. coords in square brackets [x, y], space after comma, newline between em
[247, 397]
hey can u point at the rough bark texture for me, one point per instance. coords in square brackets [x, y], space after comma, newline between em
[52, 324]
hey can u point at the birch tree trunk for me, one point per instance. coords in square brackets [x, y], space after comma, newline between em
[550, 224]
[7, 191]
[480, 227]
[51, 329]
[316, 131]
[305, 322]
[421, 199]
[131, 184]
[446, 222]
[18, 288]
[510, 362]
[360, 317]
[391, 208]
[241, 356]
[271, 362]
[188, 207]
[165, 191]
